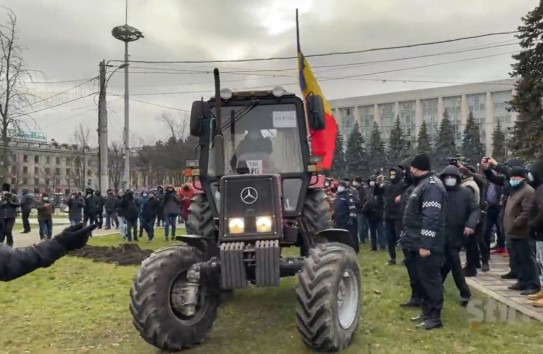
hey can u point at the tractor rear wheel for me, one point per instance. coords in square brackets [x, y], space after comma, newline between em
[329, 297]
[156, 300]
[200, 219]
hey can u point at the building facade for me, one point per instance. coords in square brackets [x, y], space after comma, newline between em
[488, 102]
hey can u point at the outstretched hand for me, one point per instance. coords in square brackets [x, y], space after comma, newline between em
[74, 237]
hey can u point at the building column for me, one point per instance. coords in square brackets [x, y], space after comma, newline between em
[464, 111]
[489, 123]
[440, 108]
[376, 115]
[397, 110]
[418, 116]
[356, 113]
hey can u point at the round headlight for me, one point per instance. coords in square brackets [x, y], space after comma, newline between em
[278, 91]
[263, 224]
[226, 94]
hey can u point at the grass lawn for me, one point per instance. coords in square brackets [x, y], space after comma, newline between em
[80, 306]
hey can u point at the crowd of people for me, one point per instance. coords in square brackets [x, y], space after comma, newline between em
[432, 217]
[131, 214]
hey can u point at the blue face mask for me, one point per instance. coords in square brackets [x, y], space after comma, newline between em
[514, 183]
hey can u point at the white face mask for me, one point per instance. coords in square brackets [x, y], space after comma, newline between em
[356, 184]
[372, 184]
[340, 189]
[450, 181]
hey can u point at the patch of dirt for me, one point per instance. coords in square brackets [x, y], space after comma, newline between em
[125, 254]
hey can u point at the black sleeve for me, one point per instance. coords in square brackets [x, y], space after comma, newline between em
[432, 202]
[15, 263]
[474, 213]
[536, 220]
[498, 180]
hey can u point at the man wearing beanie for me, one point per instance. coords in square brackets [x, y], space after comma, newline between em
[516, 227]
[8, 212]
[423, 238]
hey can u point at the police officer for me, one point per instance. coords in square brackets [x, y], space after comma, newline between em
[15, 263]
[344, 212]
[423, 237]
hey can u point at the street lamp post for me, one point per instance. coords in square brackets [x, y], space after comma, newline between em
[126, 34]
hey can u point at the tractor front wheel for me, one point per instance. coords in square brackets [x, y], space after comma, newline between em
[329, 297]
[156, 300]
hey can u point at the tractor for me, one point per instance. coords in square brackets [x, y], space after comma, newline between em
[258, 192]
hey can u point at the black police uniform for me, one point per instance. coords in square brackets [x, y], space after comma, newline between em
[423, 228]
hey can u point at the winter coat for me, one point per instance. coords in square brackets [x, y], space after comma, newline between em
[171, 204]
[390, 191]
[111, 203]
[46, 209]
[150, 209]
[27, 202]
[16, 263]
[343, 210]
[8, 205]
[75, 207]
[517, 209]
[91, 205]
[186, 197]
[362, 196]
[141, 204]
[424, 218]
[535, 222]
[129, 207]
[100, 203]
[374, 204]
[462, 211]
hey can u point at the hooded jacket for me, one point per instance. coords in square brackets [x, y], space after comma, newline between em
[535, 222]
[390, 191]
[171, 203]
[91, 206]
[75, 207]
[517, 210]
[462, 210]
[112, 202]
[100, 202]
[129, 207]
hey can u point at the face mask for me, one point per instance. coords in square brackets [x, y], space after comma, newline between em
[144, 195]
[45, 199]
[372, 184]
[450, 181]
[392, 176]
[530, 177]
[514, 183]
[356, 184]
[340, 189]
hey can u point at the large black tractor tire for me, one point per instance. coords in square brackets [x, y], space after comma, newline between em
[316, 211]
[329, 297]
[155, 300]
[200, 219]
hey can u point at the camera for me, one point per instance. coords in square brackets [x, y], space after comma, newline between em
[457, 159]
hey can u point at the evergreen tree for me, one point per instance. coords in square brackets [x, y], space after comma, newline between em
[472, 147]
[397, 147]
[338, 163]
[528, 129]
[355, 154]
[445, 144]
[498, 143]
[424, 144]
[376, 149]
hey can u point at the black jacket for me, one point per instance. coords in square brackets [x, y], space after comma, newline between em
[128, 207]
[111, 203]
[374, 204]
[8, 205]
[424, 217]
[100, 203]
[390, 191]
[343, 210]
[15, 263]
[91, 205]
[27, 202]
[150, 209]
[462, 211]
[362, 198]
[535, 219]
[75, 206]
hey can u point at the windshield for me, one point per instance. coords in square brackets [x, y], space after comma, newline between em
[260, 138]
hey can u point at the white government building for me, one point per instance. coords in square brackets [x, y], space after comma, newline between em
[487, 100]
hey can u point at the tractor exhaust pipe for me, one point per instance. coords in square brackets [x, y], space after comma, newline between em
[218, 140]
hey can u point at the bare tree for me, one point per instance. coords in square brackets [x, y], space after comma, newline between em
[80, 151]
[116, 164]
[176, 124]
[12, 76]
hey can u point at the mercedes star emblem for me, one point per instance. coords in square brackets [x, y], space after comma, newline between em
[249, 195]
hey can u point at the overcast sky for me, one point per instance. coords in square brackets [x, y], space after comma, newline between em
[66, 39]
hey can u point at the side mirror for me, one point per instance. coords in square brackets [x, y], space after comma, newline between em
[315, 112]
[200, 110]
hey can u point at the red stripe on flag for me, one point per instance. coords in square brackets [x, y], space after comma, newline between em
[323, 142]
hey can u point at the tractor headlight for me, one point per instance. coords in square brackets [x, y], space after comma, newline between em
[263, 224]
[236, 225]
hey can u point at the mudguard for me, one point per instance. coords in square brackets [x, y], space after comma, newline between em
[201, 243]
[337, 235]
[317, 182]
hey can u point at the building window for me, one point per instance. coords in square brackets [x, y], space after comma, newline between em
[25, 169]
[13, 181]
[89, 173]
[36, 159]
[57, 171]
[58, 160]
[47, 159]
[47, 171]
[68, 172]
[14, 169]
[36, 170]
[25, 181]
[36, 181]
[25, 158]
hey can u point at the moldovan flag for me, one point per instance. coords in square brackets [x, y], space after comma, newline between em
[323, 142]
